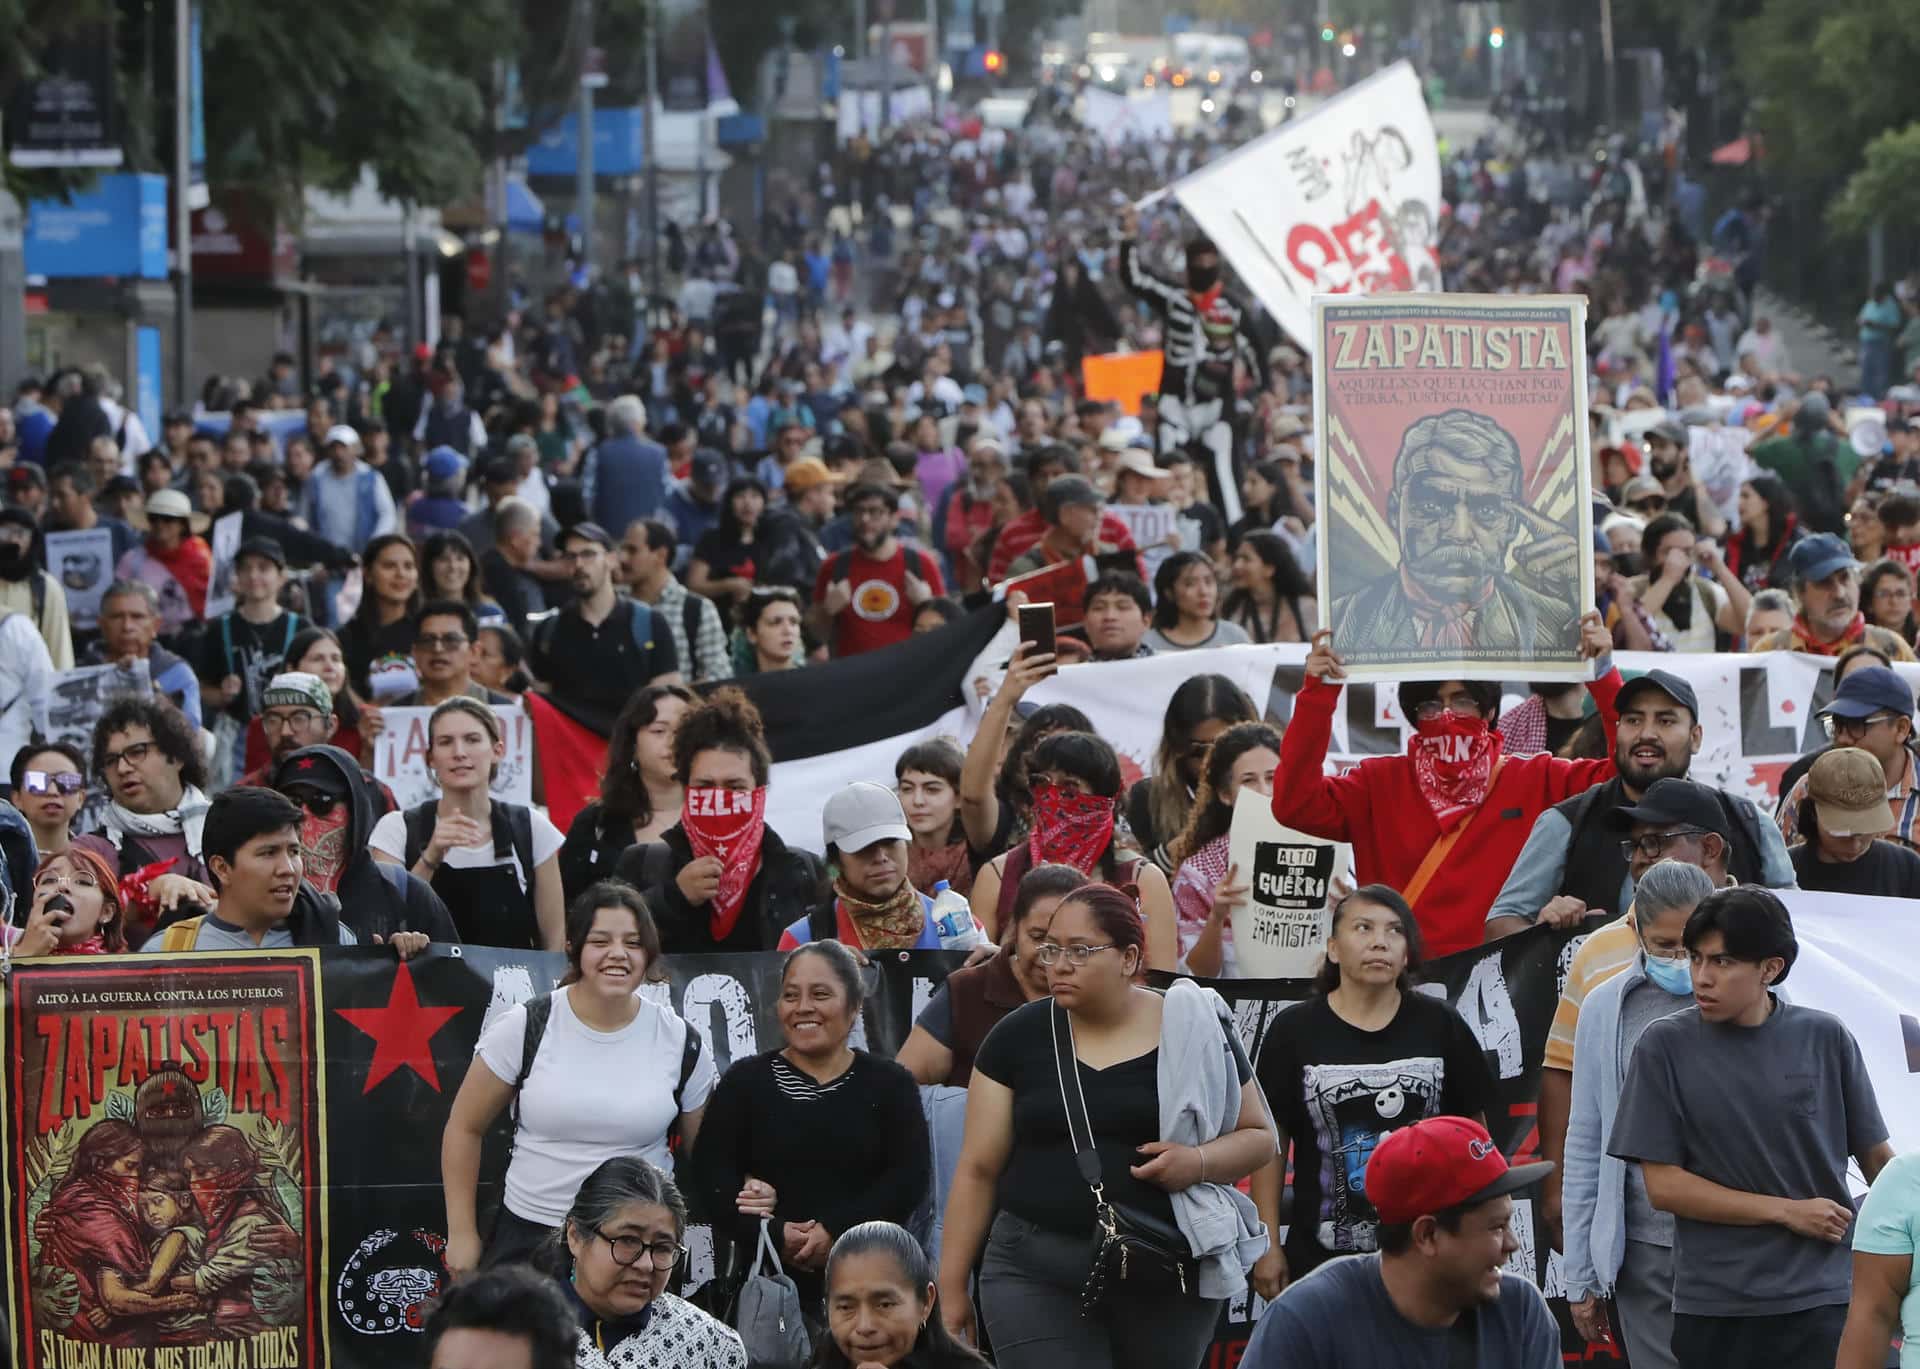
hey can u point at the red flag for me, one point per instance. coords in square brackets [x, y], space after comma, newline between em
[572, 759]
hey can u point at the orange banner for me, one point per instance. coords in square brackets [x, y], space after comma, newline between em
[1121, 377]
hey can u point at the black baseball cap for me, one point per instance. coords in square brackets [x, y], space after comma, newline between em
[592, 532]
[1667, 683]
[266, 547]
[1676, 801]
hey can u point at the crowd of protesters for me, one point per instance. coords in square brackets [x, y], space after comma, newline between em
[816, 442]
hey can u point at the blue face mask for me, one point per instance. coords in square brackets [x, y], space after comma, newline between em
[1675, 976]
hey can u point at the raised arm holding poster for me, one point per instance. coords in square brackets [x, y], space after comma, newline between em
[1453, 484]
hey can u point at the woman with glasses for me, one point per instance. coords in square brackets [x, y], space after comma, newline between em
[1157, 807]
[49, 788]
[1363, 1056]
[1886, 595]
[625, 1232]
[75, 910]
[598, 1027]
[814, 1137]
[1175, 1120]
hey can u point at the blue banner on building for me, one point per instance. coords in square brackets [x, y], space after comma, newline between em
[118, 228]
[619, 145]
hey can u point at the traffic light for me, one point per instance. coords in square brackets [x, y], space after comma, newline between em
[1326, 33]
[994, 62]
[1498, 38]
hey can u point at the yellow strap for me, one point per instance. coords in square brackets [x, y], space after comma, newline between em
[181, 935]
[1438, 852]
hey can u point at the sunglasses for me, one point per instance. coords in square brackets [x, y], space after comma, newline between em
[315, 801]
[44, 782]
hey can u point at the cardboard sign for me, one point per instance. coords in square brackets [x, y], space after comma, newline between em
[1280, 929]
[400, 756]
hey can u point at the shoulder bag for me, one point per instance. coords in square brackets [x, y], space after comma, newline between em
[767, 1311]
[1145, 1253]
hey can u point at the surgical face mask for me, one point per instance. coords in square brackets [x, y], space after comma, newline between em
[1675, 976]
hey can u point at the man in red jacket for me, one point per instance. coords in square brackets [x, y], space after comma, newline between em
[1444, 823]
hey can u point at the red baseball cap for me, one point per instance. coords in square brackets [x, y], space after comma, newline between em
[1441, 1163]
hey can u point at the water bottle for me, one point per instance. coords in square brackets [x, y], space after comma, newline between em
[953, 920]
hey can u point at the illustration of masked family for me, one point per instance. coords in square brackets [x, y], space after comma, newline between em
[167, 1228]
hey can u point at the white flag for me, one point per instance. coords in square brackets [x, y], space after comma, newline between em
[1345, 201]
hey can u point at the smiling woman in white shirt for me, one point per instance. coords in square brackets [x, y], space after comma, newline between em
[596, 1026]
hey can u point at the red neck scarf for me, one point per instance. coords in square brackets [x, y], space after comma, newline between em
[1813, 646]
[1204, 300]
[1443, 622]
[1453, 760]
[191, 563]
[323, 843]
[728, 825]
[1070, 829]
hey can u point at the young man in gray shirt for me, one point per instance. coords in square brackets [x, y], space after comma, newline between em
[1741, 1112]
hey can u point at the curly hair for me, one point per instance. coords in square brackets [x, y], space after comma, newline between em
[727, 721]
[1210, 817]
[172, 733]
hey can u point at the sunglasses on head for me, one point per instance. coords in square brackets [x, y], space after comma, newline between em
[46, 782]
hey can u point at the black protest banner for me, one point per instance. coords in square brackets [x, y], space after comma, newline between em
[280, 1114]
[1507, 993]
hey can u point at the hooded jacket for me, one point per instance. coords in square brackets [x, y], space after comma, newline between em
[375, 900]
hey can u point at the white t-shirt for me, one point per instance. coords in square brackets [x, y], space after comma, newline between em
[591, 1096]
[390, 838]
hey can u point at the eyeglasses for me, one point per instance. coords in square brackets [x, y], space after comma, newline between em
[132, 755]
[1654, 844]
[315, 801]
[73, 879]
[300, 718]
[627, 1250]
[43, 782]
[583, 553]
[1433, 708]
[446, 641]
[1835, 728]
[1651, 504]
[1052, 952]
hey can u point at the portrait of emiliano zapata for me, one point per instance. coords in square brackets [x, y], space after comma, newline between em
[1473, 565]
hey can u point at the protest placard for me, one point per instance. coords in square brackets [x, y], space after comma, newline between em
[82, 562]
[226, 550]
[1280, 927]
[1122, 377]
[400, 756]
[1454, 484]
[1151, 525]
[1345, 201]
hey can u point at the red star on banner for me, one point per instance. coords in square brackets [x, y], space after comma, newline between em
[402, 1031]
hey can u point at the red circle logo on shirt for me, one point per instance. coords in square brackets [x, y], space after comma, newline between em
[876, 600]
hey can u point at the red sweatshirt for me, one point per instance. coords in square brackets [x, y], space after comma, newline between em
[1377, 806]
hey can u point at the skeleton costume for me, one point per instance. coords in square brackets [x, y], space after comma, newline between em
[1205, 331]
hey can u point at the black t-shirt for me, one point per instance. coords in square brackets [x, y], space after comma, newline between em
[727, 557]
[1560, 731]
[1041, 1182]
[1887, 870]
[599, 667]
[1337, 1090]
[256, 652]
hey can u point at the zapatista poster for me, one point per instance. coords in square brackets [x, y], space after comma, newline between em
[165, 1163]
[1453, 484]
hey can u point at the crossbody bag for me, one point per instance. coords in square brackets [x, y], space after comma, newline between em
[1143, 1252]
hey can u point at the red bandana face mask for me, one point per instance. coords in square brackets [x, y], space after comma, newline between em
[1070, 829]
[323, 845]
[726, 824]
[1453, 759]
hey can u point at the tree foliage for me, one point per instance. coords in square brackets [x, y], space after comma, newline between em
[1886, 187]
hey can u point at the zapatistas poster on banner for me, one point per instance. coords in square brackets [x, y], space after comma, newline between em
[166, 1128]
[1454, 484]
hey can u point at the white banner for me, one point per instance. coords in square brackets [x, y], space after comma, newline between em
[400, 756]
[1122, 116]
[1857, 961]
[1757, 713]
[226, 550]
[1345, 201]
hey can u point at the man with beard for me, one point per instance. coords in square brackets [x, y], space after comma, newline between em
[865, 598]
[1442, 824]
[968, 511]
[167, 1113]
[597, 651]
[296, 710]
[1830, 620]
[1572, 866]
[1456, 511]
[339, 803]
[26, 589]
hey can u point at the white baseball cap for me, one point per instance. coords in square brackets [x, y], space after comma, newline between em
[862, 814]
[340, 432]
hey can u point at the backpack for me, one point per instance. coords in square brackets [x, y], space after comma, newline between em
[540, 1012]
[639, 623]
[922, 566]
[518, 821]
